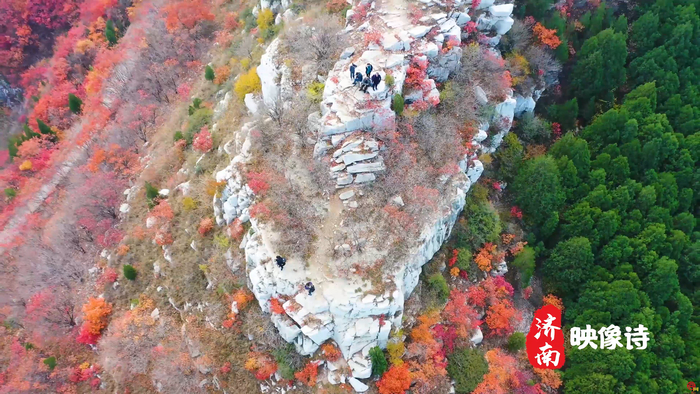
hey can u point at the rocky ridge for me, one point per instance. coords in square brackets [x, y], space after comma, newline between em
[345, 126]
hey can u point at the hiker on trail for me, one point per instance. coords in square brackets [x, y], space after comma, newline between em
[281, 261]
[368, 69]
[358, 79]
[366, 83]
[352, 70]
[310, 288]
[376, 78]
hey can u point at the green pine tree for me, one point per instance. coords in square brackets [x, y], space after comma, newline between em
[12, 146]
[151, 194]
[110, 33]
[209, 73]
[75, 104]
[397, 104]
[44, 128]
[28, 134]
[129, 272]
[379, 364]
[50, 362]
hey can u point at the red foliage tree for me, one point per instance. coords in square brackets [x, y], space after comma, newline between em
[202, 141]
[186, 14]
[205, 226]
[506, 376]
[258, 182]
[460, 313]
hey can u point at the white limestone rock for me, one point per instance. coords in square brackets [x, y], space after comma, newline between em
[124, 208]
[523, 105]
[347, 52]
[462, 18]
[480, 95]
[501, 10]
[419, 31]
[503, 26]
[484, 4]
[358, 386]
[475, 171]
[252, 103]
[480, 136]
[500, 269]
[477, 337]
[269, 74]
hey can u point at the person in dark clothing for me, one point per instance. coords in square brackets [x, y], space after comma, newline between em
[352, 70]
[368, 69]
[366, 83]
[281, 261]
[376, 78]
[310, 288]
[358, 79]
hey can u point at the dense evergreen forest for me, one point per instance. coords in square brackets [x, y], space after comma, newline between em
[611, 207]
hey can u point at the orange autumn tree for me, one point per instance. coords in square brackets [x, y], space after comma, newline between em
[241, 298]
[308, 374]
[546, 36]
[95, 312]
[426, 358]
[185, 14]
[505, 376]
[330, 352]
[495, 295]
[395, 381]
[500, 318]
[549, 377]
[551, 299]
[261, 365]
[487, 256]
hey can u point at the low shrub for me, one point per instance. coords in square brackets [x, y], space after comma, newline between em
[397, 104]
[516, 342]
[438, 284]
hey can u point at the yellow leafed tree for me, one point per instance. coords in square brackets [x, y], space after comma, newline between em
[248, 83]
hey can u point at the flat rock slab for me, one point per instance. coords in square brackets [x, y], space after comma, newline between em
[347, 195]
[350, 158]
[366, 167]
[365, 177]
[344, 180]
[349, 51]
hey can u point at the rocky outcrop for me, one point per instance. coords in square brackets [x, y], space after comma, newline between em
[358, 315]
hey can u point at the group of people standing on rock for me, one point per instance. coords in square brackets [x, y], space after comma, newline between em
[368, 80]
[281, 262]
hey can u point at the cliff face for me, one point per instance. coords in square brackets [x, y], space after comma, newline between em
[356, 313]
